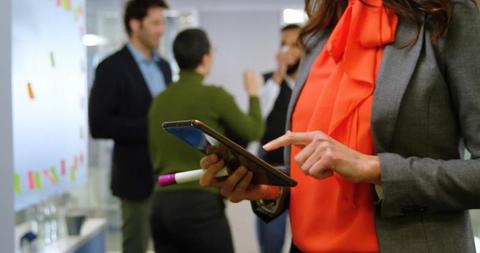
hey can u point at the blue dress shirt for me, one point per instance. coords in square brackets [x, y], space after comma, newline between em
[150, 70]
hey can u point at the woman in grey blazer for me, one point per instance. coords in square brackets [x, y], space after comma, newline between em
[427, 104]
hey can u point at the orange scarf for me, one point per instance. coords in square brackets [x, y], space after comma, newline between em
[334, 215]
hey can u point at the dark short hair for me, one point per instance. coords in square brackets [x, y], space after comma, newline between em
[291, 27]
[138, 9]
[189, 47]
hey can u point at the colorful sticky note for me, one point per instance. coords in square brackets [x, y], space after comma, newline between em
[49, 177]
[31, 181]
[63, 168]
[52, 59]
[66, 5]
[82, 158]
[78, 12]
[73, 173]
[16, 184]
[59, 3]
[30, 91]
[38, 181]
[54, 174]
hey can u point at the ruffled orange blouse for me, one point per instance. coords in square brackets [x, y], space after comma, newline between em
[334, 215]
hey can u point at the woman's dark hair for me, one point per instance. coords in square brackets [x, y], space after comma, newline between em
[138, 10]
[189, 47]
[324, 15]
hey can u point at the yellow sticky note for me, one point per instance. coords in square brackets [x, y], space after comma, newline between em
[38, 181]
[66, 5]
[52, 59]
[73, 173]
[30, 91]
[54, 174]
[16, 184]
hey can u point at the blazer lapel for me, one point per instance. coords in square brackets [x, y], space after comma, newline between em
[396, 70]
[299, 83]
[134, 69]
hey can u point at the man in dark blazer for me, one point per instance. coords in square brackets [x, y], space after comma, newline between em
[124, 86]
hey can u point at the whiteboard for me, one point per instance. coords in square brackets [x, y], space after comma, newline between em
[49, 98]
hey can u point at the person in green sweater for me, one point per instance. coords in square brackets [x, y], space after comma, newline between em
[188, 217]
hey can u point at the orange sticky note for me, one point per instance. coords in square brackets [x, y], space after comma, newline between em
[30, 91]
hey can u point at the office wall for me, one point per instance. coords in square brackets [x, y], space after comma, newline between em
[7, 217]
[241, 39]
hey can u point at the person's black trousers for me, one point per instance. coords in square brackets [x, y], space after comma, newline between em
[190, 221]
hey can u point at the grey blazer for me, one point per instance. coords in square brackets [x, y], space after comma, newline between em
[426, 102]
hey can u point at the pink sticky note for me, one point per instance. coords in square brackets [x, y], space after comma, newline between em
[75, 162]
[31, 180]
[63, 168]
[81, 158]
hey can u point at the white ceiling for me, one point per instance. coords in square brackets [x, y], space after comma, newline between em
[206, 5]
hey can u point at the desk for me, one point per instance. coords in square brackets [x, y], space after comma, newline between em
[90, 240]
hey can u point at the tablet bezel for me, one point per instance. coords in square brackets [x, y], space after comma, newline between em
[289, 182]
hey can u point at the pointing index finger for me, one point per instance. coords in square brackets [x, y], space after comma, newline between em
[289, 138]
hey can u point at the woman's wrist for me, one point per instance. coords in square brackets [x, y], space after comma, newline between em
[270, 192]
[373, 171]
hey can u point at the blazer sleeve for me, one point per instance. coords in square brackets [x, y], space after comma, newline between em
[245, 126]
[104, 119]
[444, 185]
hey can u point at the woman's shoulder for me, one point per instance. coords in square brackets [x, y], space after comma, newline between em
[462, 6]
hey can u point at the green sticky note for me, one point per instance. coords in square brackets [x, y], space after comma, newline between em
[52, 59]
[38, 181]
[54, 174]
[16, 184]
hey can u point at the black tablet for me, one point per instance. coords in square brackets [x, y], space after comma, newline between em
[206, 140]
